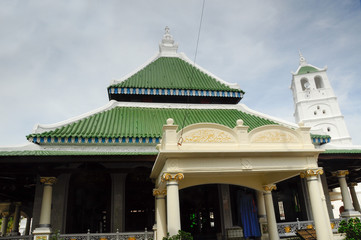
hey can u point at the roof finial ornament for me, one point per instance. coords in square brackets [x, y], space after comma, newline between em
[167, 47]
[302, 59]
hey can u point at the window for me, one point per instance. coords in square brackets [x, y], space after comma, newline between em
[305, 84]
[318, 82]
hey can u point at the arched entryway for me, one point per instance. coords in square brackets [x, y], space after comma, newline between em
[89, 200]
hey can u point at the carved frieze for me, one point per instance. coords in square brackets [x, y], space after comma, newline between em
[208, 136]
[274, 136]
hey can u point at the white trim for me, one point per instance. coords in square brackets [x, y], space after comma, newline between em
[40, 128]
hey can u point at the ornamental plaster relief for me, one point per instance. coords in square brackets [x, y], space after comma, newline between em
[274, 136]
[208, 136]
[246, 163]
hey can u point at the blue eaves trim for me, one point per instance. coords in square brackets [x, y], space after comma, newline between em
[95, 140]
[321, 140]
[174, 92]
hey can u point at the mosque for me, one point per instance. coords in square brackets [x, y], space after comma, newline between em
[173, 149]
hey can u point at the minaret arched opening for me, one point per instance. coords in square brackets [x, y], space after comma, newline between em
[305, 84]
[319, 82]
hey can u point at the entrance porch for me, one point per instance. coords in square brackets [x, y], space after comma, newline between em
[215, 154]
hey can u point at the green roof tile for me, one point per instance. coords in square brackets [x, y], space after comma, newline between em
[343, 151]
[307, 69]
[173, 73]
[139, 122]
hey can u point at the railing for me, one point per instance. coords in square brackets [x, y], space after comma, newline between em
[22, 237]
[91, 236]
[107, 236]
[288, 229]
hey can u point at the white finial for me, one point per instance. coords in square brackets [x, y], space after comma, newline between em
[302, 59]
[239, 122]
[170, 121]
[167, 47]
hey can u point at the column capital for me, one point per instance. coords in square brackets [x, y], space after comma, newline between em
[311, 173]
[269, 187]
[158, 192]
[352, 184]
[166, 177]
[48, 180]
[341, 173]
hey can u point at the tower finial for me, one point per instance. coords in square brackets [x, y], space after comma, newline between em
[167, 47]
[302, 59]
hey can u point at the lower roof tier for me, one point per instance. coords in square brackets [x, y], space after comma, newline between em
[139, 124]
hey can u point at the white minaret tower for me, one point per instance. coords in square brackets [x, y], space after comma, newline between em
[316, 104]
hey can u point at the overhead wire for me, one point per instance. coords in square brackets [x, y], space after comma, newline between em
[186, 113]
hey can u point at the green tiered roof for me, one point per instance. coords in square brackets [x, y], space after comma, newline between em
[140, 125]
[173, 73]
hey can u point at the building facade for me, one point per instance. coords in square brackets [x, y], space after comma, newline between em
[174, 149]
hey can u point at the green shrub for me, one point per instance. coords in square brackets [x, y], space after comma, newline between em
[182, 235]
[352, 228]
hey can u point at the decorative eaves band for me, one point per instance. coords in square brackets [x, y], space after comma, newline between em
[320, 141]
[174, 92]
[92, 140]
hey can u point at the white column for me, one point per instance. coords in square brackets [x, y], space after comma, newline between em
[173, 211]
[270, 211]
[45, 212]
[262, 217]
[346, 197]
[322, 223]
[15, 229]
[44, 228]
[355, 202]
[160, 213]
[4, 223]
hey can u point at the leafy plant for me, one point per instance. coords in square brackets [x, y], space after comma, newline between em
[352, 228]
[182, 235]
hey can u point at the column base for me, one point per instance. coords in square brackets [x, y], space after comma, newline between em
[351, 213]
[42, 233]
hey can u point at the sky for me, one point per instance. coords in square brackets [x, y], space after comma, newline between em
[58, 57]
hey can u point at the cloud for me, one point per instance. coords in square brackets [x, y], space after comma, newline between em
[58, 57]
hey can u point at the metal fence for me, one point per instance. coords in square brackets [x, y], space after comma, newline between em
[23, 237]
[288, 229]
[285, 229]
[91, 236]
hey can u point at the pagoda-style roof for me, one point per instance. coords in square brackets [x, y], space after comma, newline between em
[172, 77]
[142, 125]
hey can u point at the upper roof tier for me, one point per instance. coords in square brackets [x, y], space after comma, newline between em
[172, 77]
[305, 68]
